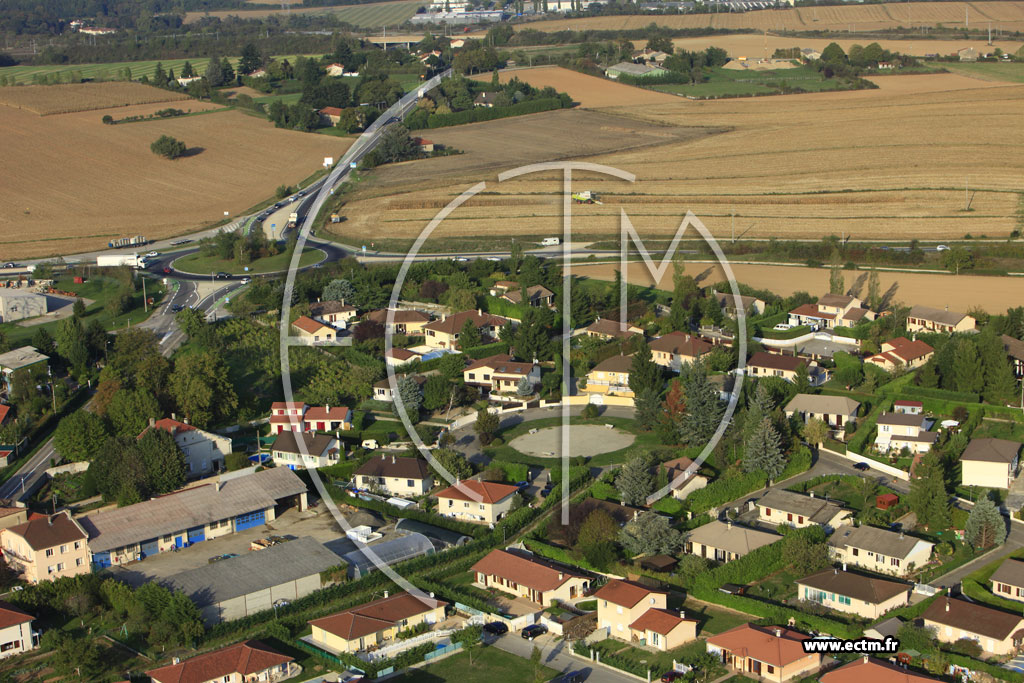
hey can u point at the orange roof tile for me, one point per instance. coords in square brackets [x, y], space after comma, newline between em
[488, 491]
[250, 657]
[775, 645]
[536, 574]
[624, 593]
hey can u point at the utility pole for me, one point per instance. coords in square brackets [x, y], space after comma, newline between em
[145, 301]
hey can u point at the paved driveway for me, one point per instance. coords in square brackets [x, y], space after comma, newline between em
[555, 654]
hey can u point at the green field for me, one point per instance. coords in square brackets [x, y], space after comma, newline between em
[732, 82]
[490, 665]
[25, 73]
[199, 264]
[1011, 72]
[377, 15]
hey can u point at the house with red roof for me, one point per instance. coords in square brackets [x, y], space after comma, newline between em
[313, 331]
[444, 333]
[636, 613]
[375, 623]
[526, 576]
[16, 634]
[875, 670]
[204, 451]
[286, 415]
[327, 418]
[764, 364]
[675, 349]
[480, 502]
[775, 653]
[901, 352]
[831, 310]
[247, 661]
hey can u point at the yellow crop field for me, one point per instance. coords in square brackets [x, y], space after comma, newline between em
[588, 91]
[755, 46]
[64, 99]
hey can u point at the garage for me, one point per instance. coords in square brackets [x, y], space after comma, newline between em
[150, 547]
[250, 520]
[196, 534]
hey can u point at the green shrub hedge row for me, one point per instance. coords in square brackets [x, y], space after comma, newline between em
[477, 114]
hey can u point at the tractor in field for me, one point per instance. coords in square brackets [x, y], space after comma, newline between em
[585, 197]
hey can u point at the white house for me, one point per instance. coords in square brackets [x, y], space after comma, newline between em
[899, 430]
[204, 451]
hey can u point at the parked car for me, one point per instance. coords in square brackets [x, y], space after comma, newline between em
[496, 628]
[246, 280]
[782, 327]
[522, 484]
[176, 307]
[533, 631]
[225, 556]
[862, 466]
[10, 265]
[574, 677]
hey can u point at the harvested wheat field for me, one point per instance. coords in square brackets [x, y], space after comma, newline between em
[1008, 16]
[958, 292]
[64, 99]
[588, 91]
[91, 182]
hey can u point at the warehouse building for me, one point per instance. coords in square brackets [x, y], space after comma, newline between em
[15, 305]
[256, 581]
[236, 501]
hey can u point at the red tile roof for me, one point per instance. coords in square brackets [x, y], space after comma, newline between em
[680, 343]
[335, 414]
[762, 643]
[529, 572]
[307, 324]
[908, 350]
[11, 615]
[5, 410]
[454, 323]
[172, 427]
[623, 593]
[375, 616]
[287, 405]
[811, 311]
[867, 669]
[909, 404]
[658, 620]
[250, 657]
[331, 111]
[502, 364]
[488, 491]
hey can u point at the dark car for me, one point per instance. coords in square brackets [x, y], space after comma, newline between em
[522, 484]
[574, 677]
[670, 676]
[862, 466]
[222, 276]
[534, 631]
[496, 628]
[225, 556]
[177, 307]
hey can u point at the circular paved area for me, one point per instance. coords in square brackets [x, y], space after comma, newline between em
[585, 440]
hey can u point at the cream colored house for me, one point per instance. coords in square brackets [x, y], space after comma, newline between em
[835, 411]
[865, 596]
[925, 319]
[480, 502]
[902, 430]
[880, 550]
[204, 451]
[397, 476]
[524, 576]
[403, 321]
[674, 469]
[996, 631]
[376, 623]
[779, 506]
[1008, 580]
[611, 377]
[725, 542]
[991, 463]
[831, 310]
[775, 653]
[16, 634]
[444, 333]
[663, 629]
[602, 328]
[764, 364]
[874, 670]
[500, 373]
[751, 305]
[247, 662]
[312, 331]
[901, 352]
[675, 349]
[304, 451]
[46, 548]
[620, 604]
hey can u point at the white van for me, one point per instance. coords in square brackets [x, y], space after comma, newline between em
[550, 242]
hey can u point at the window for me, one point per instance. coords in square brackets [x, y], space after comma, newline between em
[618, 608]
[843, 600]
[60, 566]
[50, 569]
[14, 644]
[79, 562]
[654, 638]
[800, 520]
[767, 512]
[789, 516]
[856, 551]
[894, 561]
[409, 483]
[63, 548]
[771, 669]
[49, 552]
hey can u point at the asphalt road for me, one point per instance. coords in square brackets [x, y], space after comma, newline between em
[556, 655]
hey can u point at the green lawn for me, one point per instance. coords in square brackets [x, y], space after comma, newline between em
[724, 82]
[713, 620]
[200, 264]
[510, 454]
[290, 98]
[490, 665]
[1011, 72]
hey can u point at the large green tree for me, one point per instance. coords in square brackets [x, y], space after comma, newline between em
[635, 481]
[129, 411]
[968, 374]
[644, 373]
[763, 451]
[928, 498]
[985, 526]
[650, 534]
[486, 426]
[80, 436]
[202, 390]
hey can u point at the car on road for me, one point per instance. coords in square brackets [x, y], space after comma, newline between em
[177, 307]
[460, 259]
[246, 280]
[10, 265]
[862, 466]
[222, 276]
[225, 556]
[670, 676]
[574, 677]
[177, 242]
[495, 259]
[152, 254]
[942, 247]
[533, 631]
[496, 628]
[167, 270]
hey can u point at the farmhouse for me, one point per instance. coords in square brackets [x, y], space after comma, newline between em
[247, 661]
[1008, 580]
[401, 477]
[875, 670]
[996, 631]
[238, 500]
[46, 547]
[901, 352]
[831, 310]
[763, 364]
[632, 612]
[611, 377]
[403, 321]
[925, 319]
[16, 305]
[255, 581]
[500, 373]
[444, 333]
[301, 451]
[480, 502]
[204, 451]
[527, 577]
[675, 348]
[899, 430]
[989, 462]
[835, 411]
[603, 328]
[865, 596]
[880, 550]
[374, 623]
[689, 483]
[312, 331]
[779, 506]
[330, 116]
[775, 653]
[16, 634]
[725, 542]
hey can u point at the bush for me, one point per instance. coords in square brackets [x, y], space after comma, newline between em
[491, 113]
[590, 412]
[168, 147]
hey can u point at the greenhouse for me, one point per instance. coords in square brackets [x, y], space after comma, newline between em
[389, 552]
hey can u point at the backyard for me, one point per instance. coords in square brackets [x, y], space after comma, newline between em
[479, 665]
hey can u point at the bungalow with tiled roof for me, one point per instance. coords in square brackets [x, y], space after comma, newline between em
[335, 69]
[875, 670]
[396, 356]
[831, 310]
[880, 550]
[990, 462]
[907, 407]
[674, 349]
[674, 469]
[403, 321]
[374, 623]
[899, 430]
[529, 577]
[927, 319]
[725, 541]
[382, 389]
[835, 411]
[247, 661]
[204, 451]
[779, 506]
[333, 313]
[398, 476]
[775, 653]
[751, 305]
[312, 331]
[1008, 580]
[327, 419]
[500, 373]
[302, 451]
[764, 364]
[606, 329]
[996, 631]
[329, 116]
[868, 597]
[631, 612]
[16, 634]
[444, 333]
[901, 353]
[480, 502]
[537, 295]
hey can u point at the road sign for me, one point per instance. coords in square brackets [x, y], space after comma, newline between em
[364, 248]
[352, 164]
[247, 269]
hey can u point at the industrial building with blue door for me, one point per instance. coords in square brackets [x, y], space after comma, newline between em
[234, 502]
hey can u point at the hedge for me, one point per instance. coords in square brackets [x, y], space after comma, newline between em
[728, 488]
[780, 614]
[478, 114]
[944, 394]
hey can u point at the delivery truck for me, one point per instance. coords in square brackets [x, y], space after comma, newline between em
[114, 260]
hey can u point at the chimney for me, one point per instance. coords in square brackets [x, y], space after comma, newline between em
[152, 422]
[480, 312]
[393, 460]
[381, 456]
[174, 416]
[778, 632]
[49, 520]
[328, 407]
[386, 595]
[866, 659]
[812, 494]
[947, 604]
[682, 614]
[561, 576]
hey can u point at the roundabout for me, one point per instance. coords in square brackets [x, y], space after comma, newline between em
[586, 440]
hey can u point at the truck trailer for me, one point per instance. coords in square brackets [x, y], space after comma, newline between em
[115, 260]
[122, 242]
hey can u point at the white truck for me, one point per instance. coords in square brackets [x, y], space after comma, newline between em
[550, 242]
[114, 260]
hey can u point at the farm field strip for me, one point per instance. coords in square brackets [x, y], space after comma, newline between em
[754, 46]
[370, 15]
[589, 91]
[65, 99]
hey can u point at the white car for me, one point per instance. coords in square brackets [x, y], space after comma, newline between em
[942, 247]
[153, 254]
[782, 327]
[246, 280]
[460, 259]
[495, 259]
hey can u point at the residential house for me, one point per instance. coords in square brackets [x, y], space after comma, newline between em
[236, 501]
[444, 333]
[22, 358]
[689, 483]
[1008, 580]
[997, 632]
[649, 55]
[301, 451]
[810, 54]
[989, 462]
[835, 411]
[725, 541]
[868, 668]
[46, 547]
[403, 321]
[204, 451]
[901, 353]
[831, 310]
[926, 319]
[636, 613]
[674, 349]
[337, 314]
[750, 305]
[480, 502]
[537, 295]
[763, 364]
[632, 70]
[500, 373]
[606, 329]
[382, 389]
[905, 407]
[398, 476]
[375, 623]
[327, 419]
[529, 577]
[13, 515]
[1015, 351]
[312, 331]
[611, 377]
[185, 81]
[424, 145]
[16, 634]
[335, 69]
[880, 550]
[867, 597]
[967, 54]
[899, 430]
[258, 73]
[247, 661]
[774, 653]
[287, 416]
[330, 116]
[396, 357]
[485, 99]
[779, 506]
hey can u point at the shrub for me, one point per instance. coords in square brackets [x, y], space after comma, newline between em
[168, 147]
[590, 412]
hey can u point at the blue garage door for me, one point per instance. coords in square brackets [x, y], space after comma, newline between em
[101, 560]
[196, 534]
[249, 520]
[150, 547]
